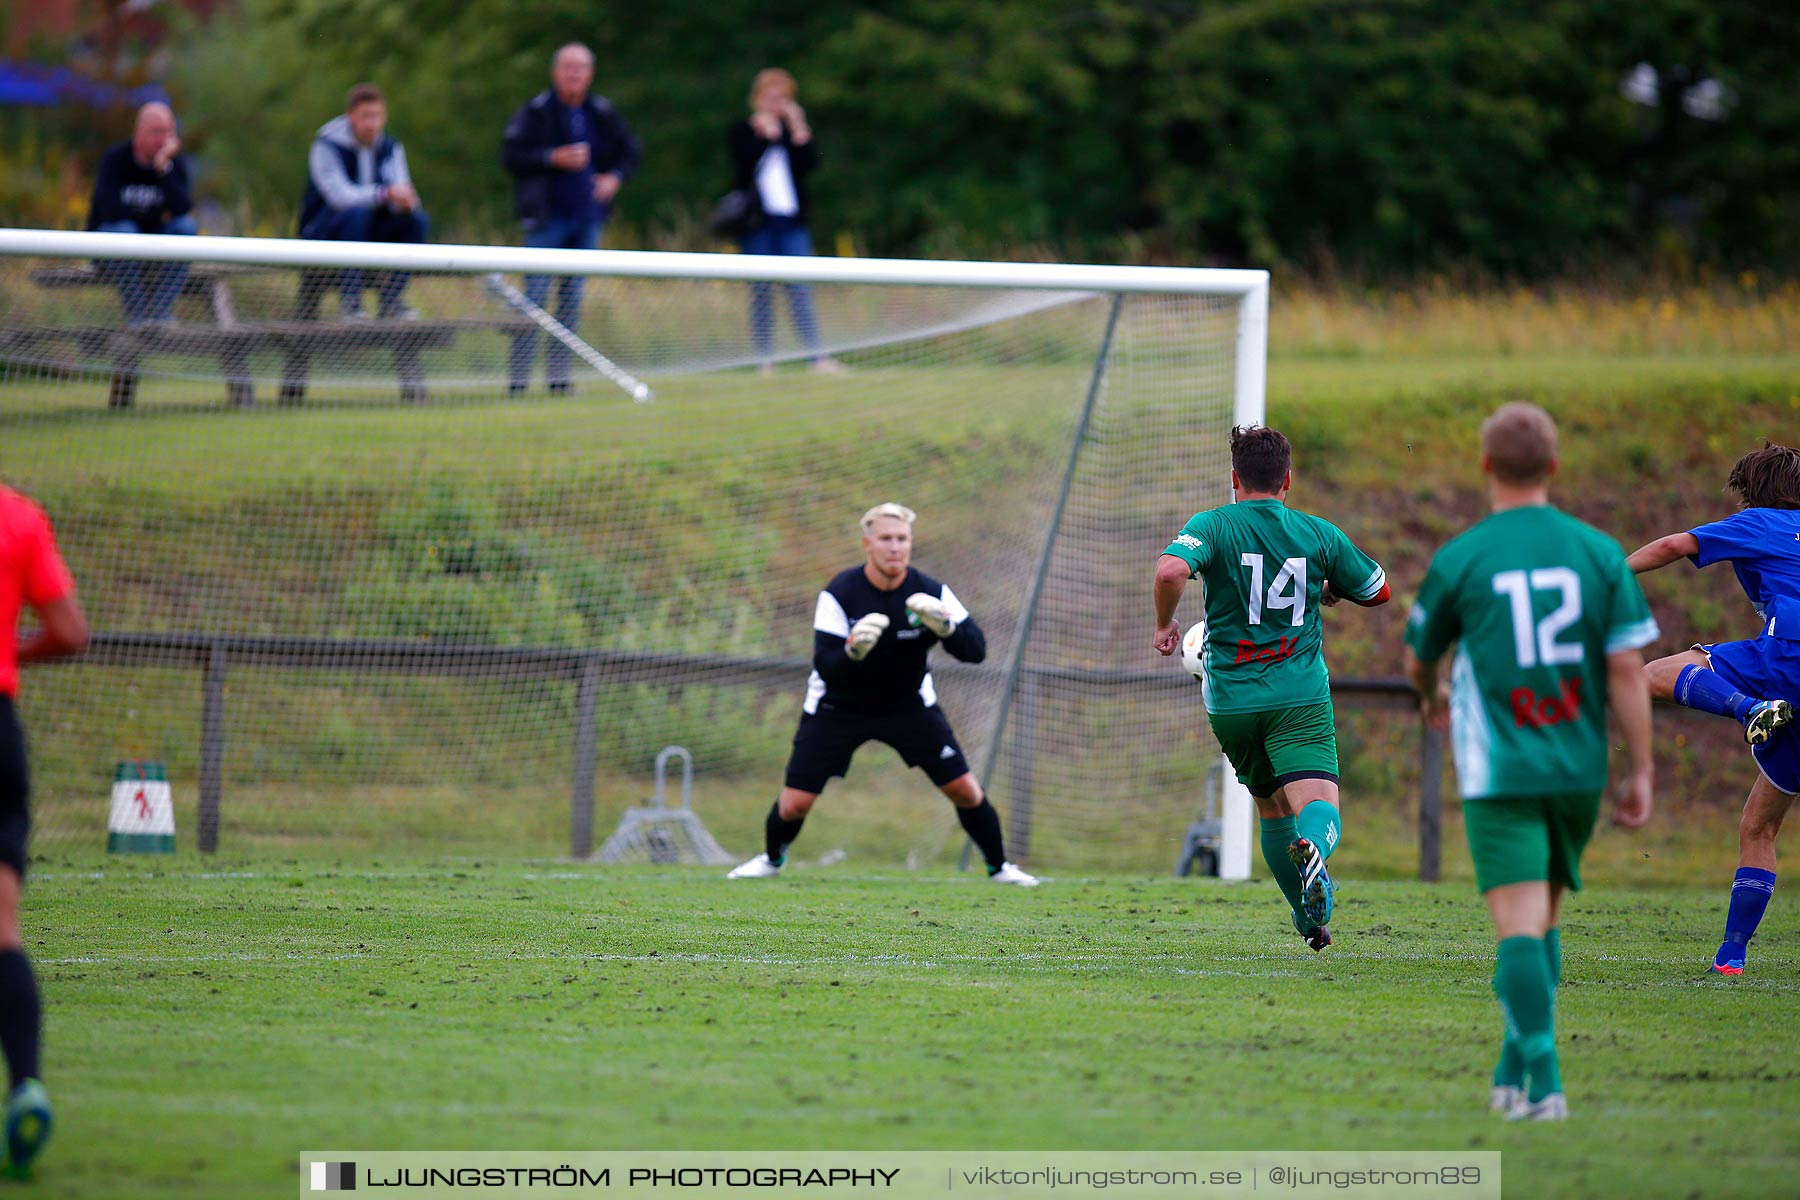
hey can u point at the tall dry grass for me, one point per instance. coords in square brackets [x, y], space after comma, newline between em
[1436, 319]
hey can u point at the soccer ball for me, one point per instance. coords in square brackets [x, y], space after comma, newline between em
[1193, 650]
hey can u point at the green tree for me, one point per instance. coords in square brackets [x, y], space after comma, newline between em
[1384, 135]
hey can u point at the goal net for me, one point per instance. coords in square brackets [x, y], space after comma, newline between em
[398, 549]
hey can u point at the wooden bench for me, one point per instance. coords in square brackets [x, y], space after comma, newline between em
[234, 341]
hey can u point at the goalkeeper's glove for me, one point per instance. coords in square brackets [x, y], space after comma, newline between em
[925, 609]
[863, 636]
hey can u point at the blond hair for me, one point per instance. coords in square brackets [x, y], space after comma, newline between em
[1519, 440]
[898, 511]
[769, 75]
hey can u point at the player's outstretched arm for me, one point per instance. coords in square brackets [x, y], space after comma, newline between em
[62, 630]
[1662, 552]
[1630, 700]
[1171, 581]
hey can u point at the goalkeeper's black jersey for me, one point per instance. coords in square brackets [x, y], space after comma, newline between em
[894, 676]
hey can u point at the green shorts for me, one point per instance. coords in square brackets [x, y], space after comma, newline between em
[1268, 749]
[1525, 839]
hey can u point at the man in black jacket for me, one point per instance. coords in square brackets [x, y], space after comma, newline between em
[569, 152]
[870, 684]
[143, 187]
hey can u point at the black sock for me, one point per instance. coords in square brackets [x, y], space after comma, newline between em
[983, 826]
[779, 833]
[18, 1015]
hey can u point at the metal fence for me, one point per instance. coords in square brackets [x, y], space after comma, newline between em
[215, 656]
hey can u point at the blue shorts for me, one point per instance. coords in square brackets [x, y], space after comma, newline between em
[1768, 669]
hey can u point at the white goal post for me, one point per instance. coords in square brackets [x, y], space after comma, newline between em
[1013, 369]
[1251, 287]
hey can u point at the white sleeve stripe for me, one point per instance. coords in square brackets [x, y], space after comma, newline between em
[1631, 637]
[958, 614]
[829, 616]
[1372, 585]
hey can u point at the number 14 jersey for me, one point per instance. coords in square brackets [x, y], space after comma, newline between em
[1264, 566]
[1535, 600]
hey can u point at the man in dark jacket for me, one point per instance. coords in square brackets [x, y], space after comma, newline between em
[143, 187]
[358, 189]
[569, 152]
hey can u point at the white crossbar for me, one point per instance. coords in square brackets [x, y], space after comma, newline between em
[292, 252]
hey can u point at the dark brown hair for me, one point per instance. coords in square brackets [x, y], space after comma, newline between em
[1767, 478]
[1260, 456]
[1519, 441]
[363, 93]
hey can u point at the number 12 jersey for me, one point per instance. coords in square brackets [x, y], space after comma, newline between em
[1535, 601]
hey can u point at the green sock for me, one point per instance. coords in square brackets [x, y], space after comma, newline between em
[1510, 1070]
[1320, 824]
[1277, 834]
[1523, 984]
[1553, 962]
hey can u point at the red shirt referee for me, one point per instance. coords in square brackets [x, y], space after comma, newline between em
[31, 574]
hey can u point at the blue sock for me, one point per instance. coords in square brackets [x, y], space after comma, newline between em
[1750, 892]
[1704, 689]
[1320, 824]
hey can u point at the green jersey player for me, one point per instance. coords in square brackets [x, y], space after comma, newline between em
[1267, 570]
[1548, 622]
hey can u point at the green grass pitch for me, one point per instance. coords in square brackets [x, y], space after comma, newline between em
[206, 1026]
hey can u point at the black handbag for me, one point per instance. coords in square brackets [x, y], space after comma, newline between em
[739, 211]
[736, 213]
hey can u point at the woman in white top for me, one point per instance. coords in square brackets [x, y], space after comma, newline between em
[772, 153]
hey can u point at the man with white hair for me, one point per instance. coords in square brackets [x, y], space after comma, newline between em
[873, 629]
[569, 152]
[142, 187]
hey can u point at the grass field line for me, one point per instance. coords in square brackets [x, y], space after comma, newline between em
[1160, 963]
[1154, 963]
[473, 870]
[439, 1109]
[600, 875]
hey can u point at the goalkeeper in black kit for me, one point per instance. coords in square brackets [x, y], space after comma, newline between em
[873, 629]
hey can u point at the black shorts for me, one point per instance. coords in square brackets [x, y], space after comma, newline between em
[15, 789]
[826, 739]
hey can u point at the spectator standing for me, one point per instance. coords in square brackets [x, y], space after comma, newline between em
[569, 152]
[143, 187]
[772, 153]
[358, 189]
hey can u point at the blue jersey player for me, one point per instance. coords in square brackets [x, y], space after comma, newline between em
[1757, 680]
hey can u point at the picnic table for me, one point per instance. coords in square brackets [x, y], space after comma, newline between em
[233, 341]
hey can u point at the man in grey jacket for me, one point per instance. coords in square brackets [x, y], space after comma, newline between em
[358, 190]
